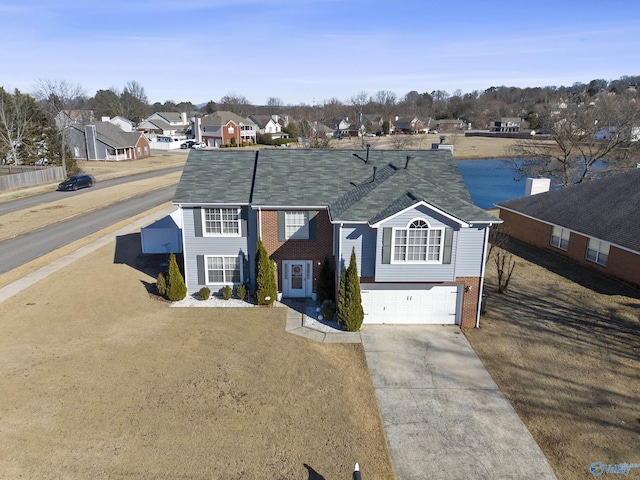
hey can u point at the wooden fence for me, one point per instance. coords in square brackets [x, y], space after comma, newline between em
[20, 176]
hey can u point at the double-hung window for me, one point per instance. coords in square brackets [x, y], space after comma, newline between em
[296, 225]
[221, 221]
[418, 243]
[598, 252]
[560, 238]
[222, 269]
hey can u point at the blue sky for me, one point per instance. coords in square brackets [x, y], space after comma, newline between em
[306, 51]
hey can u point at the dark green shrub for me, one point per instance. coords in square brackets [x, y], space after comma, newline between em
[266, 287]
[328, 310]
[161, 284]
[241, 292]
[350, 312]
[205, 292]
[176, 288]
[326, 286]
[226, 291]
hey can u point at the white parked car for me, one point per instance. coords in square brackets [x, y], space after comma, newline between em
[198, 145]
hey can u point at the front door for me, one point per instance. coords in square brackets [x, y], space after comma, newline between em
[297, 278]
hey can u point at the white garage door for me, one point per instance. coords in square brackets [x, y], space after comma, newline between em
[436, 304]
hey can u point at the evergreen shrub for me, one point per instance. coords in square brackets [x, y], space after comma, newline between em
[227, 291]
[205, 292]
[241, 292]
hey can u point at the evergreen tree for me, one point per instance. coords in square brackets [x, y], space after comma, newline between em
[266, 288]
[350, 312]
[341, 304]
[176, 288]
[326, 287]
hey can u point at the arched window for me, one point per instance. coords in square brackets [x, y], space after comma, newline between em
[417, 243]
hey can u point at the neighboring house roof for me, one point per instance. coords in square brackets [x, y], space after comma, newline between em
[113, 136]
[261, 120]
[224, 117]
[605, 209]
[330, 178]
[170, 117]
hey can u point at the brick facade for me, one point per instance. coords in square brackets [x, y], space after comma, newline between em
[314, 250]
[470, 300]
[621, 264]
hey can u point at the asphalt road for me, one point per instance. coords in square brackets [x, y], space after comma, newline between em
[25, 248]
[29, 202]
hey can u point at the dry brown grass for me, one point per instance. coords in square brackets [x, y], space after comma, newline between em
[100, 380]
[563, 345]
[464, 148]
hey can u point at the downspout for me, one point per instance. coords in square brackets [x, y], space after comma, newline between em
[482, 271]
[339, 256]
[259, 222]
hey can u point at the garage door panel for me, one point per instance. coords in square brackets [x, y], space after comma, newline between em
[436, 305]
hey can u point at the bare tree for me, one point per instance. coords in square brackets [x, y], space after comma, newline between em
[134, 101]
[237, 104]
[505, 264]
[16, 114]
[274, 105]
[400, 141]
[583, 142]
[358, 103]
[56, 96]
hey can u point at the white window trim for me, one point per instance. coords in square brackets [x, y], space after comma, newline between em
[560, 238]
[305, 226]
[599, 251]
[210, 234]
[417, 262]
[225, 282]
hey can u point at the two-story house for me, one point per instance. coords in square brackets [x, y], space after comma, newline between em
[419, 241]
[224, 128]
[165, 130]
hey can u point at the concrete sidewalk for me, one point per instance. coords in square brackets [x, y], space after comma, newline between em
[444, 416]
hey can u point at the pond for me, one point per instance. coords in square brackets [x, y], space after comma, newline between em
[490, 181]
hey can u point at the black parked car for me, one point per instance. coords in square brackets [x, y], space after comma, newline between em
[74, 182]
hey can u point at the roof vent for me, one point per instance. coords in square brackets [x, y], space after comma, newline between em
[406, 165]
[367, 160]
[374, 174]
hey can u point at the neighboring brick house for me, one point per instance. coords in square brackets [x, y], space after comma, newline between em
[594, 223]
[105, 141]
[420, 243]
[224, 128]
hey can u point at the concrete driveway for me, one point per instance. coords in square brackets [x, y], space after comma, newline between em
[444, 416]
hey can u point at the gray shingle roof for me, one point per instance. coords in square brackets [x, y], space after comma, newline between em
[329, 178]
[606, 209]
[223, 116]
[113, 136]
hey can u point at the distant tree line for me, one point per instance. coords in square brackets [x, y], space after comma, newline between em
[28, 131]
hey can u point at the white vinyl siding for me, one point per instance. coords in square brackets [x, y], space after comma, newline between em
[296, 225]
[222, 269]
[598, 252]
[560, 238]
[221, 221]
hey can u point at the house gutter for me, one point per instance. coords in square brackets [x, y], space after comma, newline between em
[482, 272]
[339, 256]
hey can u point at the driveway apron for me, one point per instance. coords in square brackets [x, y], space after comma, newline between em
[444, 416]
